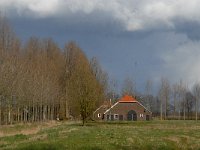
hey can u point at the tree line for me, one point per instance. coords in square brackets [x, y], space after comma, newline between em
[40, 81]
[172, 101]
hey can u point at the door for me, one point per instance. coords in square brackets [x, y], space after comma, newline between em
[132, 116]
[147, 117]
[112, 117]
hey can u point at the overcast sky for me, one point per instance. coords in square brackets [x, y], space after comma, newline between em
[142, 39]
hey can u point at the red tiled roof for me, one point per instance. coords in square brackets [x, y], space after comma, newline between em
[127, 99]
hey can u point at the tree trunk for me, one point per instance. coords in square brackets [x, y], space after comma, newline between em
[83, 121]
[174, 107]
[40, 113]
[33, 113]
[18, 113]
[166, 107]
[196, 110]
[9, 114]
[161, 114]
[26, 113]
[188, 113]
[184, 111]
[23, 111]
[44, 113]
[22, 114]
[47, 112]
[52, 112]
[0, 110]
[66, 110]
[55, 113]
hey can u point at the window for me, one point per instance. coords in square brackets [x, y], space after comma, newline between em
[141, 115]
[116, 116]
[108, 117]
[99, 115]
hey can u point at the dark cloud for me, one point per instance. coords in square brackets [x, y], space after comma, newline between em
[191, 29]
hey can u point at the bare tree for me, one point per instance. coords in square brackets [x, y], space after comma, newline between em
[8, 39]
[160, 93]
[148, 95]
[112, 93]
[102, 78]
[181, 98]
[196, 92]
[164, 96]
[189, 102]
[175, 93]
[0, 108]
[128, 87]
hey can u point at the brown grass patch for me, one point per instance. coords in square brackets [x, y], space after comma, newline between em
[26, 129]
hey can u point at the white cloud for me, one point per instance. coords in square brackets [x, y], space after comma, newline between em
[33, 8]
[133, 14]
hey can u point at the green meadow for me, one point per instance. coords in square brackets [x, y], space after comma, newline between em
[152, 135]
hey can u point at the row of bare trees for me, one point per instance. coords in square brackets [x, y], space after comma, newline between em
[172, 101]
[39, 81]
[178, 101]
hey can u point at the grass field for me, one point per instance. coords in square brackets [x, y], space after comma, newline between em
[153, 135]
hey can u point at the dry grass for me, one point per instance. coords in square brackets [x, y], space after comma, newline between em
[26, 129]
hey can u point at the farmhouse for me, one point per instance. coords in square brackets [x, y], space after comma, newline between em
[127, 109]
